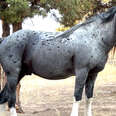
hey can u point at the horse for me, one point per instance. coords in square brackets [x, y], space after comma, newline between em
[81, 51]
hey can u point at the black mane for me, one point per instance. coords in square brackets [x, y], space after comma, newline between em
[105, 17]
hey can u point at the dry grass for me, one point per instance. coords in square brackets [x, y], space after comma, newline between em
[108, 75]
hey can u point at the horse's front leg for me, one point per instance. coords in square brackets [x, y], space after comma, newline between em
[89, 86]
[81, 76]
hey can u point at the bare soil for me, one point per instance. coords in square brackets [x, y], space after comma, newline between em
[40, 97]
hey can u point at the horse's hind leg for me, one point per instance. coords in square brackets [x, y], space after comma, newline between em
[89, 86]
[9, 92]
[3, 100]
[12, 83]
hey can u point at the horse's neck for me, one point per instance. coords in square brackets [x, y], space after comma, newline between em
[107, 35]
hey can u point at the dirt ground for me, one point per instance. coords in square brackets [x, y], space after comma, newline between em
[40, 97]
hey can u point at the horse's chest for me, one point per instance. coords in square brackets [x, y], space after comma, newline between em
[98, 59]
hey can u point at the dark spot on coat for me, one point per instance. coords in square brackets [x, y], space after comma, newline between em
[43, 43]
[7, 72]
[58, 46]
[68, 39]
[33, 43]
[15, 61]
[93, 34]
[10, 56]
[49, 49]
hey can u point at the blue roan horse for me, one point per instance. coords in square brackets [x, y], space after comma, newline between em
[81, 51]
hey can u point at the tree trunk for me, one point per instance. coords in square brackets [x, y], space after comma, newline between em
[5, 28]
[16, 27]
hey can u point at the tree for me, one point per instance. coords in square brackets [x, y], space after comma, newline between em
[70, 10]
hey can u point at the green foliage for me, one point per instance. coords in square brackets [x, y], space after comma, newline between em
[71, 10]
[15, 10]
[74, 10]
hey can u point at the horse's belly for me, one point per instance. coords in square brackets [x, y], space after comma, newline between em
[53, 69]
[53, 60]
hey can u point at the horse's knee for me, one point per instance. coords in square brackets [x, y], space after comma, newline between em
[78, 92]
[89, 87]
[78, 97]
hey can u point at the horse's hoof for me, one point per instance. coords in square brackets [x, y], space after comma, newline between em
[3, 113]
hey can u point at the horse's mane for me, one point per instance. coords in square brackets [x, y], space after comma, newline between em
[71, 30]
[105, 17]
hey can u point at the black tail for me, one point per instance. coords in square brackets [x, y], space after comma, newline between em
[1, 39]
[4, 95]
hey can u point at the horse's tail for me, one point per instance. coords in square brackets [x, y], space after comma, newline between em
[1, 39]
[4, 95]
